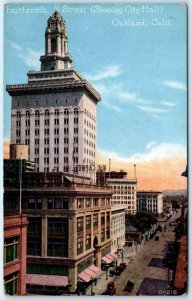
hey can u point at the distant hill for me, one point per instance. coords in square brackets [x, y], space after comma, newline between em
[174, 193]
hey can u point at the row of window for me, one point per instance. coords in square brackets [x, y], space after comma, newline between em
[52, 203]
[47, 112]
[105, 219]
[89, 125]
[89, 202]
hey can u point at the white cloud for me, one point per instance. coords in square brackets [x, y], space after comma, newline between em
[105, 72]
[112, 107]
[169, 104]
[154, 152]
[29, 57]
[133, 97]
[152, 110]
[174, 84]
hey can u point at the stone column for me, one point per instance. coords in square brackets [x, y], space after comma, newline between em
[13, 127]
[32, 137]
[73, 278]
[44, 237]
[61, 141]
[22, 130]
[72, 238]
[51, 140]
[41, 143]
[71, 139]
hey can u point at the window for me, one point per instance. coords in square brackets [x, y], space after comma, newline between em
[36, 150]
[79, 245]
[56, 112]
[36, 141]
[18, 132]
[108, 233]
[76, 130]
[75, 140]
[79, 224]
[53, 45]
[66, 121]
[56, 160]
[103, 219]
[57, 203]
[65, 159]
[88, 222]
[37, 122]
[34, 236]
[46, 160]
[11, 249]
[80, 203]
[95, 201]
[27, 114]
[102, 235]
[46, 141]
[66, 112]
[57, 237]
[36, 131]
[56, 121]
[11, 284]
[32, 203]
[18, 114]
[56, 150]
[75, 111]
[46, 122]
[66, 140]
[88, 202]
[37, 113]
[65, 150]
[95, 220]
[102, 201]
[66, 130]
[88, 241]
[47, 113]
[56, 141]
[27, 123]
[75, 120]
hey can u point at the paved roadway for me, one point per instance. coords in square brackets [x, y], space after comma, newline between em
[137, 269]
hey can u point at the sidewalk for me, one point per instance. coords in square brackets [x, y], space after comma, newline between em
[102, 282]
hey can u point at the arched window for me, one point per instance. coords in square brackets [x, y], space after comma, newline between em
[56, 112]
[37, 113]
[27, 113]
[53, 45]
[47, 113]
[75, 111]
[18, 114]
[66, 112]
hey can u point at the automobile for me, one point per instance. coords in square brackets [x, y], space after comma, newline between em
[130, 244]
[157, 238]
[129, 286]
[111, 290]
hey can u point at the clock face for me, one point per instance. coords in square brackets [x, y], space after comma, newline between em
[54, 26]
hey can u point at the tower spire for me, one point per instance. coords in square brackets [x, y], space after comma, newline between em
[56, 41]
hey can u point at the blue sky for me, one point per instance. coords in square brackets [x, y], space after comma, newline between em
[140, 71]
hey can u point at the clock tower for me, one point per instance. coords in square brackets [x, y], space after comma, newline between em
[56, 54]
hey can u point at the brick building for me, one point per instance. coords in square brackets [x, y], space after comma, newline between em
[69, 228]
[15, 234]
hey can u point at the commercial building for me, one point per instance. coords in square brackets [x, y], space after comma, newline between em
[69, 230]
[150, 201]
[124, 191]
[118, 227]
[15, 237]
[55, 112]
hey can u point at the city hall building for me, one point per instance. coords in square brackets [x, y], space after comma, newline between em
[55, 112]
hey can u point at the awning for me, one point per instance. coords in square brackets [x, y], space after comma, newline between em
[46, 280]
[89, 273]
[109, 257]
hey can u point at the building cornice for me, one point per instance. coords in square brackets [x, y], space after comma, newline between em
[56, 86]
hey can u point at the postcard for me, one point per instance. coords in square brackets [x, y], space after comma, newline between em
[95, 149]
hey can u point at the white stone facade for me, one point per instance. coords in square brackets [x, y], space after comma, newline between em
[124, 193]
[55, 112]
[117, 227]
[150, 201]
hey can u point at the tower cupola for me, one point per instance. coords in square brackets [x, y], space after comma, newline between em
[56, 39]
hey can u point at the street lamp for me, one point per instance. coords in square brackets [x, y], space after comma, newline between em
[107, 266]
